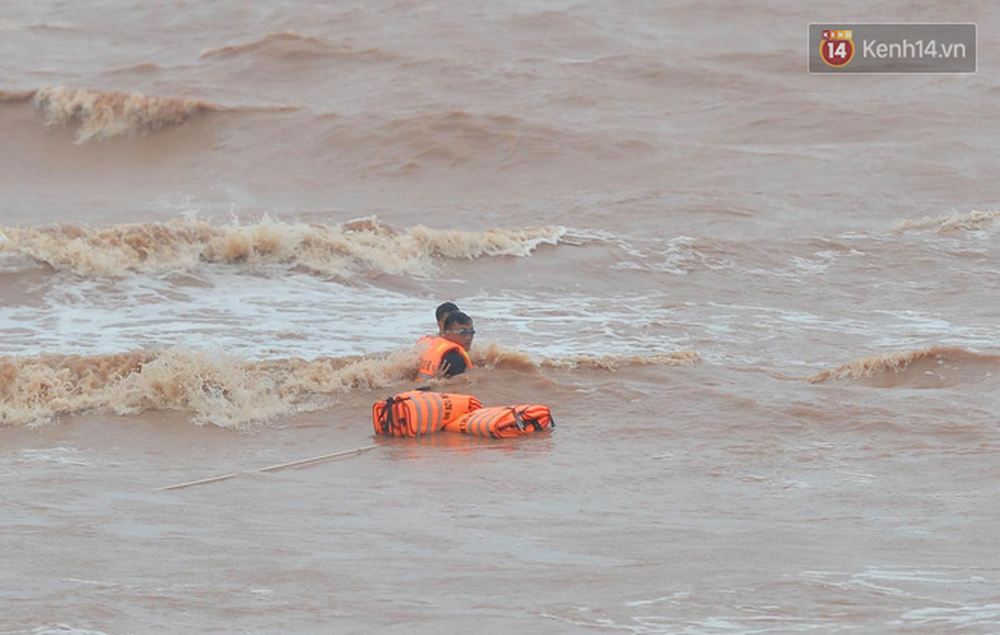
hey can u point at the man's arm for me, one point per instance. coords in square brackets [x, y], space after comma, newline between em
[455, 363]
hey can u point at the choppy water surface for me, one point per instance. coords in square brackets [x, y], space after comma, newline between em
[759, 304]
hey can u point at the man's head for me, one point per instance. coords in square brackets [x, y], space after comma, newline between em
[442, 313]
[458, 328]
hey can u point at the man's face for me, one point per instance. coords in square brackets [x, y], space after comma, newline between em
[461, 334]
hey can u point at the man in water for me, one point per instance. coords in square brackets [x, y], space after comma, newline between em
[448, 354]
[440, 314]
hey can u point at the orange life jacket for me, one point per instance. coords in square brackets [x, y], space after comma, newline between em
[417, 412]
[503, 421]
[432, 358]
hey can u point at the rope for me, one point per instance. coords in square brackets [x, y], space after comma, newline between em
[270, 468]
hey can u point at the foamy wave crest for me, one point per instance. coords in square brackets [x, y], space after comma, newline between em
[496, 356]
[935, 367]
[338, 250]
[492, 242]
[106, 114]
[288, 44]
[228, 392]
[973, 221]
[614, 362]
[218, 390]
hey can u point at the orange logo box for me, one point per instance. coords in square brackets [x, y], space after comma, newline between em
[838, 35]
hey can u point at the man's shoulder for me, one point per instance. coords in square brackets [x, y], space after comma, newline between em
[428, 341]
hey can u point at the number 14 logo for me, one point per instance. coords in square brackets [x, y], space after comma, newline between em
[836, 52]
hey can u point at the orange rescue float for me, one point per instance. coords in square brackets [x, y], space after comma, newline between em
[419, 412]
[503, 421]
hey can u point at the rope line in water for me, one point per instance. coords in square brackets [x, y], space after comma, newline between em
[270, 468]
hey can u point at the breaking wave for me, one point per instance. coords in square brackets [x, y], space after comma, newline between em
[226, 391]
[106, 114]
[615, 362]
[335, 250]
[497, 356]
[972, 221]
[218, 390]
[935, 367]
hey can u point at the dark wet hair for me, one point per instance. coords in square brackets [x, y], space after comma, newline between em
[458, 318]
[444, 310]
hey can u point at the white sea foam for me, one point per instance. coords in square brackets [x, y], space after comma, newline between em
[955, 617]
[293, 314]
[56, 629]
[57, 455]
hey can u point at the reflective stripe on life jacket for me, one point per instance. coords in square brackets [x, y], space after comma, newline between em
[431, 362]
[504, 421]
[418, 412]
